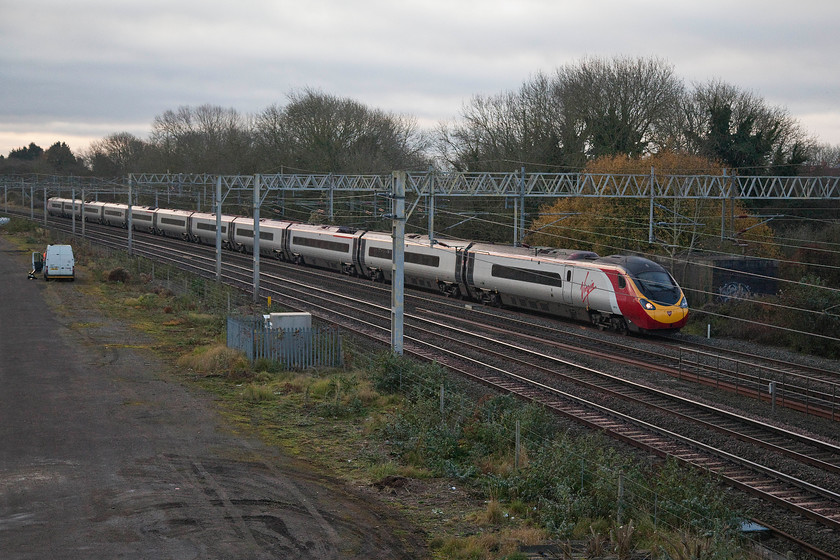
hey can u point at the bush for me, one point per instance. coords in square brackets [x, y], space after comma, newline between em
[216, 360]
[120, 275]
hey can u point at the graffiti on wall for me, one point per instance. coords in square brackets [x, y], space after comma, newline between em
[734, 291]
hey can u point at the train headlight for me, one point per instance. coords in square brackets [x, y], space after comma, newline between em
[647, 305]
[684, 303]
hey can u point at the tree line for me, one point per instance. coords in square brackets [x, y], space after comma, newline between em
[559, 122]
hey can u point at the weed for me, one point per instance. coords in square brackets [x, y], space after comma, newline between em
[216, 360]
[257, 393]
[622, 540]
[494, 514]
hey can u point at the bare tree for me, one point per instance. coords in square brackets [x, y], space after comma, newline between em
[205, 139]
[594, 108]
[508, 130]
[317, 132]
[119, 154]
[621, 105]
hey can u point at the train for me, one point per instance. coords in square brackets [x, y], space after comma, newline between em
[623, 293]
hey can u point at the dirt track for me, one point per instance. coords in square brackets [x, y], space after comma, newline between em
[101, 456]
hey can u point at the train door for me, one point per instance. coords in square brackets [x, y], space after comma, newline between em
[464, 263]
[568, 285]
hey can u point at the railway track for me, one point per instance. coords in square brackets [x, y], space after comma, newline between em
[810, 500]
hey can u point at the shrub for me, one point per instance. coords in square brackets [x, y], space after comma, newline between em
[120, 275]
[216, 360]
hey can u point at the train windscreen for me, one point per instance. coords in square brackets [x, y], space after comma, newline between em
[658, 286]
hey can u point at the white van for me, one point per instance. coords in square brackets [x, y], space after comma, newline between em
[59, 262]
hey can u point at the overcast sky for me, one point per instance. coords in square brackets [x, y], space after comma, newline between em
[78, 70]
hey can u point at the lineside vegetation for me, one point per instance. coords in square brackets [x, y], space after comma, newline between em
[454, 469]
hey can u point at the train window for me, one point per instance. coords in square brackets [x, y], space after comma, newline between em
[526, 275]
[266, 235]
[325, 244]
[379, 253]
[622, 283]
[568, 276]
[412, 258]
[171, 222]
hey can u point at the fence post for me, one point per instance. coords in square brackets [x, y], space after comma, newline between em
[620, 496]
[516, 452]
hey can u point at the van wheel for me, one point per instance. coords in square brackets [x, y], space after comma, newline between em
[46, 278]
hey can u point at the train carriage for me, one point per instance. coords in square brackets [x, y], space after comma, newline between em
[530, 279]
[115, 214]
[272, 236]
[427, 265]
[202, 228]
[93, 211]
[55, 206]
[71, 208]
[143, 219]
[173, 223]
[331, 247]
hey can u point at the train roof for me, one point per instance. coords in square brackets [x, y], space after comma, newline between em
[536, 252]
[634, 264]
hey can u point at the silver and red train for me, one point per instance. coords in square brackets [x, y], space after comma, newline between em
[622, 293]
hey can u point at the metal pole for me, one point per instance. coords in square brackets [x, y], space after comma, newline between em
[45, 207]
[398, 265]
[732, 208]
[256, 238]
[128, 216]
[722, 206]
[32, 202]
[331, 197]
[515, 222]
[219, 228]
[82, 213]
[431, 208]
[73, 211]
[650, 222]
[521, 208]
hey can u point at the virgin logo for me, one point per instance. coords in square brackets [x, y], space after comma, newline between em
[586, 288]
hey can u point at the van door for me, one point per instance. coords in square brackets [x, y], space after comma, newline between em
[37, 262]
